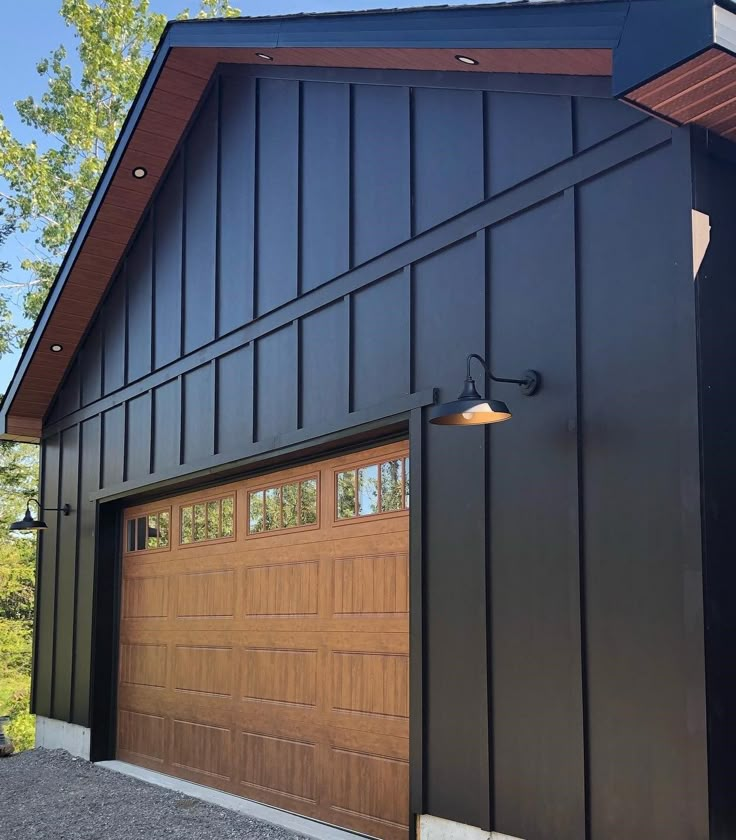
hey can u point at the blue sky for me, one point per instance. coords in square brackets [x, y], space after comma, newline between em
[33, 28]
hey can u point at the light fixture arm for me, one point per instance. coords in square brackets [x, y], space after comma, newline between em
[66, 510]
[529, 384]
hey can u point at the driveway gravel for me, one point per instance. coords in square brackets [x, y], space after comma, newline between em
[48, 795]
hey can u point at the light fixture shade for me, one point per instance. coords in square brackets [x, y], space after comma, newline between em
[470, 409]
[28, 523]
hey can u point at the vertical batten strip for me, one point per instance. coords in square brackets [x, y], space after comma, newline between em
[348, 299]
[183, 290]
[126, 326]
[57, 544]
[218, 207]
[256, 194]
[256, 396]
[152, 217]
[351, 177]
[411, 116]
[571, 197]
[299, 369]
[299, 197]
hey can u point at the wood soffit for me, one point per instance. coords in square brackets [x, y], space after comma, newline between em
[172, 98]
[700, 91]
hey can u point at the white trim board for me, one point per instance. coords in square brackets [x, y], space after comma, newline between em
[724, 28]
[256, 810]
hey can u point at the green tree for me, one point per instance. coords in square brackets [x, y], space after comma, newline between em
[50, 179]
[18, 481]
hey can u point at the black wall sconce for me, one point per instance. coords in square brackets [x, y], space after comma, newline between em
[28, 523]
[470, 409]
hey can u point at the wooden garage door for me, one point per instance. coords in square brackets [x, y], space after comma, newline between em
[264, 644]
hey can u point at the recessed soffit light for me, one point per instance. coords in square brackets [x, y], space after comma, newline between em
[264, 56]
[140, 172]
[466, 59]
[56, 348]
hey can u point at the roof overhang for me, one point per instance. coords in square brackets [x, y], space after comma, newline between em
[687, 71]
[561, 38]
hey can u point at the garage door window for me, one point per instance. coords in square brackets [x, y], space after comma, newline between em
[372, 489]
[290, 505]
[148, 532]
[209, 520]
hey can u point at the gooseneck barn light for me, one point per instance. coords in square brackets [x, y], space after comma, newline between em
[470, 409]
[28, 523]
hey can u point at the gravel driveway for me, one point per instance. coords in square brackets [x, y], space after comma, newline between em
[48, 794]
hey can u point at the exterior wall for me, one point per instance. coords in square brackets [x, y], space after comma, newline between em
[325, 251]
[715, 195]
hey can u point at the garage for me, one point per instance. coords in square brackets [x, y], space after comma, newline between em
[264, 639]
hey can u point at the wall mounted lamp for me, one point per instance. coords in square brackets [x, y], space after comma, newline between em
[470, 409]
[28, 523]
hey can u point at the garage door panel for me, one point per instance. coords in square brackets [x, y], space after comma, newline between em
[279, 675]
[204, 669]
[143, 664]
[280, 765]
[273, 665]
[371, 584]
[370, 683]
[142, 734]
[209, 594]
[281, 589]
[383, 788]
[204, 749]
[145, 596]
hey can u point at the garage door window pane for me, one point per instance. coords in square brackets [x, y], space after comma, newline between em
[256, 512]
[392, 490]
[346, 494]
[153, 531]
[227, 518]
[200, 525]
[213, 520]
[367, 490]
[273, 508]
[309, 502]
[142, 536]
[187, 526]
[163, 529]
[406, 483]
[131, 535]
[290, 505]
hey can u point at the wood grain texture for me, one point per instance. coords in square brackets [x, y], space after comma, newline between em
[275, 665]
[701, 91]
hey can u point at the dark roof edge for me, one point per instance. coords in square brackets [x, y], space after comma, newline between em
[567, 24]
[581, 24]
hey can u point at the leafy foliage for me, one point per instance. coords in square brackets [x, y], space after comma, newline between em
[76, 122]
[18, 481]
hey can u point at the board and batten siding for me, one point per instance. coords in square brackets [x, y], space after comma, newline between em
[326, 249]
